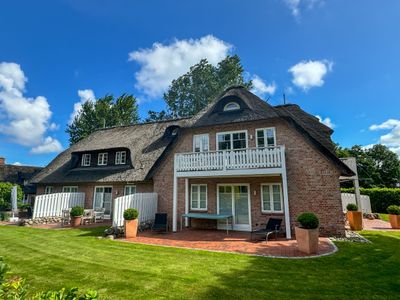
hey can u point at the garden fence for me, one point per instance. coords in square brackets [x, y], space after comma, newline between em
[52, 205]
[351, 198]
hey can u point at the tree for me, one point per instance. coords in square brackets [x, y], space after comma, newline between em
[154, 116]
[191, 92]
[105, 112]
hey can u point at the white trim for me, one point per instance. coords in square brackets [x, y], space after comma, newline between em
[94, 197]
[237, 106]
[175, 199]
[83, 162]
[118, 159]
[102, 159]
[47, 188]
[198, 198]
[231, 133]
[201, 135]
[230, 173]
[265, 138]
[130, 186]
[69, 187]
[240, 227]
[186, 201]
[285, 196]
[271, 200]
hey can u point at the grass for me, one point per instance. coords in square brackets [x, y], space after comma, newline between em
[50, 259]
[384, 217]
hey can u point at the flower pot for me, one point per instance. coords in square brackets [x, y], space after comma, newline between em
[355, 220]
[76, 221]
[307, 240]
[131, 227]
[394, 221]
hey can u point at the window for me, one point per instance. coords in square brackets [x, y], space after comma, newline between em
[266, 137]
[271, 197]
[120, 157]
[231, 106]
[232, 140]
[86, 160]
[198, 199]
[48, 190]
[200, 143]
[102, 159]
[129, 190]
[70, 189]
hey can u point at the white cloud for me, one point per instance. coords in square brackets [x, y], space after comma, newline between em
[84, 95]
[26, 120]
[308, 74]
[17, 163]
[49, 145]
[327, 121]
[162, 63]
[260, 88]
[296, 6]
[391, 139]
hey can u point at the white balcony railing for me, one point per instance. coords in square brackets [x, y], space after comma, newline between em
[251, 158]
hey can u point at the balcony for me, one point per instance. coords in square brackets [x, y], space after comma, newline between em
[231, 162]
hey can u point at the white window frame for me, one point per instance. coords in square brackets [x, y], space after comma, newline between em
[198, 208]
[200, 136]
[231, 133]
[236, 106]
[84, 162]
[118, 157]
[48, 189]
[271, 198]
[129, 186]
[265, 137]
[69, 187]
[102, 159]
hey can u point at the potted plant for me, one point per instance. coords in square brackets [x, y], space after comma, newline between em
[308, 232]
[354, 217]
[76, 214]
[131, 222]
[394, 216]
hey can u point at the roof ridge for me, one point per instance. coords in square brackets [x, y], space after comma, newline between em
[143, 123]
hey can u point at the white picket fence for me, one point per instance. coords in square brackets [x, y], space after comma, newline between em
[52, 205]
[351, 198]
[145, 203]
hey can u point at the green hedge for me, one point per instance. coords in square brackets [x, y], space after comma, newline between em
[380, 198]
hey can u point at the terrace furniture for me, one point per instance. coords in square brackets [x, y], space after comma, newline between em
[65, 217]
[98, 215]
[88, 216]
[273, 226]
[210, 217]
[160, 222]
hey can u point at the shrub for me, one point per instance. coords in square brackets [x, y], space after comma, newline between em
[4, 216]
[76, 211]
[131, 214]
[380, 198]
[5, 195]
[351, 207]
[393, 210]
[308, 220]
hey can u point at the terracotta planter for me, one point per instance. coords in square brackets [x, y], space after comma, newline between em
[394, 221]
[355, 220]
[131, 227]
[76, 221]
[307, 240]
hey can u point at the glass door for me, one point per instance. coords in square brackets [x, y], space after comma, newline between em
[103, 199]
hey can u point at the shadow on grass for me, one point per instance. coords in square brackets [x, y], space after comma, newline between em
[91, 231]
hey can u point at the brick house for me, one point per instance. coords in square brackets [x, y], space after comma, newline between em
[238, 156]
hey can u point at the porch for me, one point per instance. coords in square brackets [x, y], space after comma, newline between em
[235, 242]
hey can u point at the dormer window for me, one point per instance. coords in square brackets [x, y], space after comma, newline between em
[102, 159]
[120, 157]
[231, 106]
[86, 160]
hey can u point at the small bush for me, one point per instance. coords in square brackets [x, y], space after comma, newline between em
[76, 211]
[131, 214]
[393, 210]
[351, 207]
[308, 220]
[4, 216]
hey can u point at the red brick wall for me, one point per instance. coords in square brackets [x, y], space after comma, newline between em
[313, 181]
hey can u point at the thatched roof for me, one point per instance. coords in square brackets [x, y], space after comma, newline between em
[149, 143]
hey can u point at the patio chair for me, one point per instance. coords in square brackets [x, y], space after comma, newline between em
[272, 227]
[65, 217]
[99, 214]
[160, 223]
[88, 216]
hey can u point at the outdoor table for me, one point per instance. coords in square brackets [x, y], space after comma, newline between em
[209, 217]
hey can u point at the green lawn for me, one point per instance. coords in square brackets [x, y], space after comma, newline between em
[50, 259]
[384, 217]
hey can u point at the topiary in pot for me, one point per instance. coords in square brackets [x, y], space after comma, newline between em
[308, 232]
[131, 222]
[354, 217]
[76, 214]
[394, 216]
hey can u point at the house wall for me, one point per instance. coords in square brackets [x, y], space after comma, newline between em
[313, 180]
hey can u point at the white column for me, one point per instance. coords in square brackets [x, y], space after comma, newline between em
[285, 195]
[175, 200]
[186, 200]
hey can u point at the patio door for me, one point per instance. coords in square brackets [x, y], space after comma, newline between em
[235, 200]
[103, 199]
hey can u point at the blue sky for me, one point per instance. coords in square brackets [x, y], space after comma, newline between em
[336, 59]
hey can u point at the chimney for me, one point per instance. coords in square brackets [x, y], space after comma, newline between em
[2, 161]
